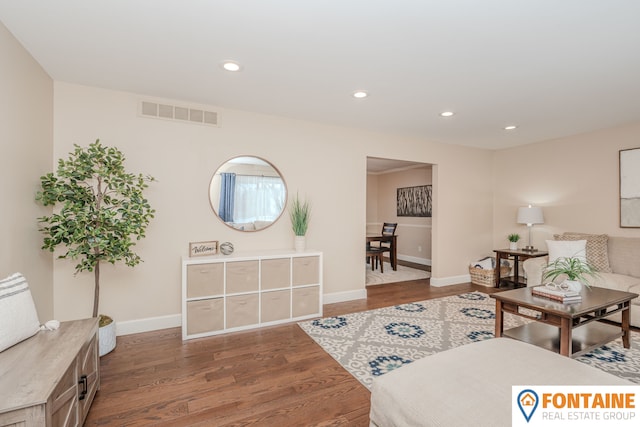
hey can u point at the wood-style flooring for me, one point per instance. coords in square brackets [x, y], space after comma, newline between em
[274, 376]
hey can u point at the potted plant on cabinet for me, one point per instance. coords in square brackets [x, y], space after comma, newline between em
[513, 241]
[300, 214]
[575, 269]
[102, 211]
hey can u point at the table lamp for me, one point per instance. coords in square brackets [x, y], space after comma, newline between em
[530, 215]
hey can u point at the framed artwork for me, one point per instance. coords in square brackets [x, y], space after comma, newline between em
[630, 188]
[414, 201]
[203, 248]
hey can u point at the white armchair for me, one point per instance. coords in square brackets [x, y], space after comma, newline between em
[534, 269]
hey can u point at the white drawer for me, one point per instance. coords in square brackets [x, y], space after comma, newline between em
[205, 280]
[306, 270]
[242, 310]
[242, 276]
[275, 273]
[275, 305]
[306, 301]
[205, 316]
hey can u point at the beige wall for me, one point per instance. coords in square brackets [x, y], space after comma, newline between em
[26, 137]
[327, 164]
[574, 179]
[414, 234]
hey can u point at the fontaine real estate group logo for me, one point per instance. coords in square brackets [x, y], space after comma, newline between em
[583, 406]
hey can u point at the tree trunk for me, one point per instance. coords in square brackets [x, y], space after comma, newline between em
[96, 291]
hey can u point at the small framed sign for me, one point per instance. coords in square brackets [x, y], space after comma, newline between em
[203, 248]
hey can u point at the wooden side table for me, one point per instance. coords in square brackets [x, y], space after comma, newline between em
[517, 255]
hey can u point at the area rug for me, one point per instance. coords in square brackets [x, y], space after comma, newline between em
[374, 342]
[402, 274]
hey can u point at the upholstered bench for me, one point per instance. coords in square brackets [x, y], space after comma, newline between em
[471, 385]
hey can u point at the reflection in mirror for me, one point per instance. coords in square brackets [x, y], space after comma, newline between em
[248, 193]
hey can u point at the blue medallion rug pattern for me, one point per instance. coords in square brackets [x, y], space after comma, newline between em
[371, 343]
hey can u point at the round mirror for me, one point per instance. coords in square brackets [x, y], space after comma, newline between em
[248, 193]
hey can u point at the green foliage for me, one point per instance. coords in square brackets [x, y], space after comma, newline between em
[300, 214]
[102, 210]
[513, 237]
[573, 268]
[104, 320]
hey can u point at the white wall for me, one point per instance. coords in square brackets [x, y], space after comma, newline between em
[26, 136]
[574, 179]
[327, 164]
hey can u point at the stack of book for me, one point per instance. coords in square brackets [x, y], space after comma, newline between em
[556, 294]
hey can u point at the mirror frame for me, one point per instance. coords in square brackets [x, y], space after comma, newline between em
[276, 170]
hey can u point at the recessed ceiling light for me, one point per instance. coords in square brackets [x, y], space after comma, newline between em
[231, 66]
[447, 113]
[360, 94]
[510, 127]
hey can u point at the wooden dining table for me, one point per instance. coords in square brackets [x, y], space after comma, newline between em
[393, 254]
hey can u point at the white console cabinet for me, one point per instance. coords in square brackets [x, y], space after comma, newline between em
[225, 293]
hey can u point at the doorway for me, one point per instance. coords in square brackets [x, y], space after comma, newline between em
[386, 178]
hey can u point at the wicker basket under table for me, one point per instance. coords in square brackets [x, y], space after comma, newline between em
[484, 277]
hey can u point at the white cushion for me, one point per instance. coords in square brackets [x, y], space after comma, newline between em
[567, 249]
[619, 282]
[18, 316]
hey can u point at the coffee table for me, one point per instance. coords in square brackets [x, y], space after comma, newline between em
[570, 329]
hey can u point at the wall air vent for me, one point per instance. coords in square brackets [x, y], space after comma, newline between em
[178, 113]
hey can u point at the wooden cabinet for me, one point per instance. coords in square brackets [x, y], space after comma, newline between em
[242, 291]
[51, 378]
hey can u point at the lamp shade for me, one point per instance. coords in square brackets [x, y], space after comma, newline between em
[530, 215]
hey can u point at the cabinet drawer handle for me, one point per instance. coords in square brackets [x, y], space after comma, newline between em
[83, 390]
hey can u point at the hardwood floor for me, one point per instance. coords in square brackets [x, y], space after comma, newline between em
[274, 376]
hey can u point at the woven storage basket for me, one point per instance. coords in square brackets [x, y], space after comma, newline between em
[483, 277]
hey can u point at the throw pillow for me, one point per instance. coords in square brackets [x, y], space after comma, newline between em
[597, 248]
[18, 316]
[566, 249]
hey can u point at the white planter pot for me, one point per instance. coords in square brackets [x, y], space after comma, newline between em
[107, 338]
[573, 285]
[300, 243]
[513, 246]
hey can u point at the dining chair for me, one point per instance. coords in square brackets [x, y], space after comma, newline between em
[374, 256]
[388, 229]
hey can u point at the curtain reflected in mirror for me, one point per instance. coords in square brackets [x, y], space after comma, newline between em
[248, 193]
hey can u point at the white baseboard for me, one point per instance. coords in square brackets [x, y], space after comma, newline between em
[446, 281]
[414, 259]
[344, 296]
[128, 327]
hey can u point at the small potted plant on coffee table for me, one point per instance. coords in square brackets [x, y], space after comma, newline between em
[575, 269]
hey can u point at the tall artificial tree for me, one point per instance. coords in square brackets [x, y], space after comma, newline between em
[102, 210]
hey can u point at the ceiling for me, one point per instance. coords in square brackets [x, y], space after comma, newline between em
[553, 68]
[379, 166]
